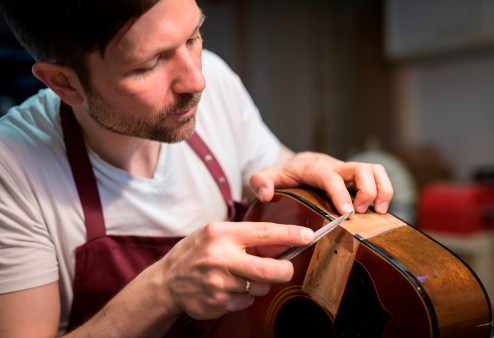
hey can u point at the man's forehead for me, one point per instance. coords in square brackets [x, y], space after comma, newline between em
[163, 27]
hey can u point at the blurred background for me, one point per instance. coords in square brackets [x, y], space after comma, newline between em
[405, 83]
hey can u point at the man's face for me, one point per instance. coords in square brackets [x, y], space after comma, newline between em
[150, 80]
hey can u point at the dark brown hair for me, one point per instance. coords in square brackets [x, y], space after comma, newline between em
[66, 31]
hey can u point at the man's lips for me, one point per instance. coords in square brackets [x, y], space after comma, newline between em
[186, 113]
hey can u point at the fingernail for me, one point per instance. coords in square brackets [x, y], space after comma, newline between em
[347, 207]
[307, 235]
[383, 207]
[262, 192]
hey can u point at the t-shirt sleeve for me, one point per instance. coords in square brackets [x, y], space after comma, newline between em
[27, 255]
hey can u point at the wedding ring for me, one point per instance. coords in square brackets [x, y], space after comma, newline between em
[248, 284]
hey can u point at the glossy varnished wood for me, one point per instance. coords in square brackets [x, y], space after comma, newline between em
[373, 276]
[458, 301]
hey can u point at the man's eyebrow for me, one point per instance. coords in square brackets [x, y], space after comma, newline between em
[201, 20]
[160, 51]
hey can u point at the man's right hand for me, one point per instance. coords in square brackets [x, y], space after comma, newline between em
[206, 273]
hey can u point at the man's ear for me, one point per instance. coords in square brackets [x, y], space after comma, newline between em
[62, 80]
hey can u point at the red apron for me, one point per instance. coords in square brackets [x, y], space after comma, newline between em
[106, 263]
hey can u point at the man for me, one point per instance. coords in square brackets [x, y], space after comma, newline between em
[117, 163]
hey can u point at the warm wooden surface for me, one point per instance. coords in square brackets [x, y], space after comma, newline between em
[372, 276]
[459, 301]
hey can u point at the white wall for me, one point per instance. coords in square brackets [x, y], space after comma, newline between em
[446, 78]
[447, 103]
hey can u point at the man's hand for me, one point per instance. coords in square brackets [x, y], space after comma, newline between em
[206, 273]
[370, 181]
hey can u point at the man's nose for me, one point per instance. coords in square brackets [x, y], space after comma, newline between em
[188, 72]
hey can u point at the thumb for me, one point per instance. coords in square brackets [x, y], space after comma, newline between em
[263, 186]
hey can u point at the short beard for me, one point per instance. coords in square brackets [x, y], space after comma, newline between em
[153, 128]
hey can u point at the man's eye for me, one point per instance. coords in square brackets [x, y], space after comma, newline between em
[195, 39]
[146, 69]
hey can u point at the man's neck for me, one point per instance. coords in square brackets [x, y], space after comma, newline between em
[137, 156]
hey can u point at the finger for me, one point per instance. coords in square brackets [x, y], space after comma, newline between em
[268, 250]
[365, 185]
[252, 234]
[220, 305]
[384, 189]
[262, 270]
[238, 236]
[338, 193]
[250, 287]
[306, 168]
[237, 302]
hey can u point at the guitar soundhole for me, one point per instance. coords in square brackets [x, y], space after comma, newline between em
[301, 317]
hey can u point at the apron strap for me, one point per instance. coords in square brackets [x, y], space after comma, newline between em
[82, 170]
[205, 154]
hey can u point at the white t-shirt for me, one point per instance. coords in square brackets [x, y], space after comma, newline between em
[41, 218]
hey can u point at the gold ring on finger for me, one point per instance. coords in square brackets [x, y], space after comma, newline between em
[248, 285]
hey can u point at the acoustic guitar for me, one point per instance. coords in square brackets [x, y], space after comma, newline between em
[373, 276]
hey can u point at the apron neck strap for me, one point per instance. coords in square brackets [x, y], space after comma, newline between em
[208, 158]
[82, 171]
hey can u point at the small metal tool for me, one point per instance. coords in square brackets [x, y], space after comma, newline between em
[320, 233]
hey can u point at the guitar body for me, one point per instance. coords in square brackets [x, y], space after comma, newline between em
[373, 276]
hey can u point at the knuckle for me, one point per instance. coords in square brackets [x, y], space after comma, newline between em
[292, 232]
[214, 280]
[219, 300]
[367, 194]
[214, 230]
[389, 193]
[263, 230]
[364, 168]
[332, 181]
[265, 273]
[378, 167]
[332, 177]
